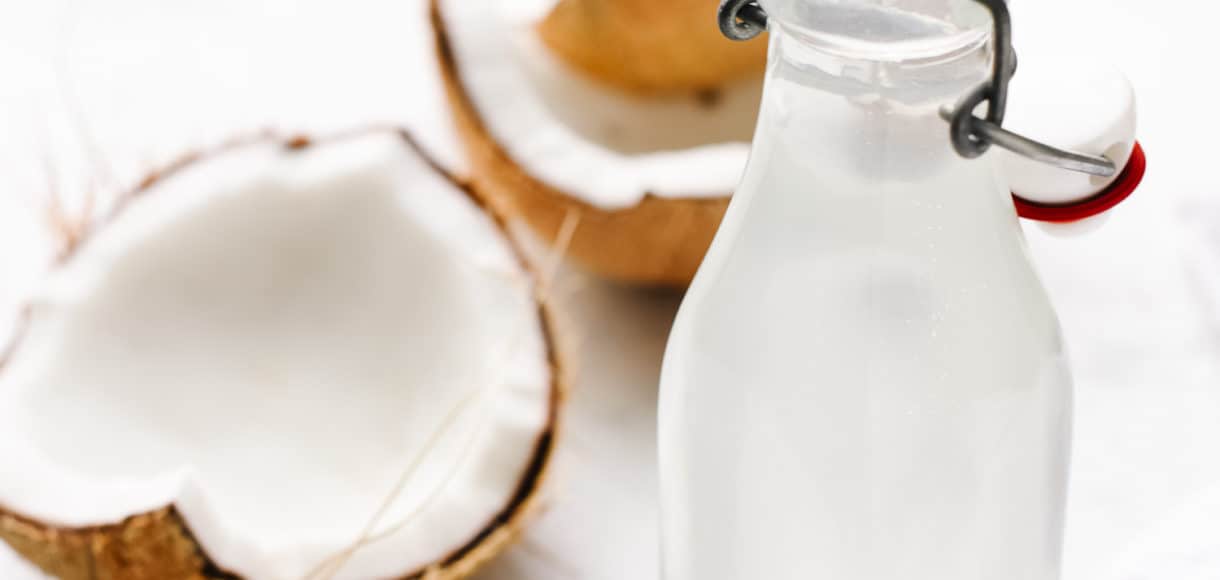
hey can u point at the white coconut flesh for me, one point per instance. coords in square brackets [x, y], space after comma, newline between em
[268, 339]
[603, 146]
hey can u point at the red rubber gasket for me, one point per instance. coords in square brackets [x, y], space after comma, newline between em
[1121, 189]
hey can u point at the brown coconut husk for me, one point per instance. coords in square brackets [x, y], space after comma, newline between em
[159, 545]
[659, 241]
[645, 46]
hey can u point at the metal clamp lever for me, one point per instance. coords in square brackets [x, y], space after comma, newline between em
[741, 19]
[971, 136]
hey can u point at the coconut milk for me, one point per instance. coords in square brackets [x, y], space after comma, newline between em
[866, 380]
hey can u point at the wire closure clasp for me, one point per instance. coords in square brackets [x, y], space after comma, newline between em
[741, 19]
[971, 136]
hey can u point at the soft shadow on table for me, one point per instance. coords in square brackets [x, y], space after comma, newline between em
[600, 517]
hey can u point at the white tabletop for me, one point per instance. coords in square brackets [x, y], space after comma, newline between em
[1140, 299]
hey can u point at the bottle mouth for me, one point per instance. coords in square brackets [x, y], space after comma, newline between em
[884, 30]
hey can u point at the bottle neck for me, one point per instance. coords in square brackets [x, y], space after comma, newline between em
[850, 119]
[869, 104]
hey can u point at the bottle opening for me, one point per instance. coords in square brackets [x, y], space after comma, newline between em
[884, 30]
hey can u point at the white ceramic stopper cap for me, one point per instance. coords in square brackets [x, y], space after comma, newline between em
[1073, 102]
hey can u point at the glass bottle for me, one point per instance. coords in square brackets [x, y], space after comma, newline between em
[866, 380]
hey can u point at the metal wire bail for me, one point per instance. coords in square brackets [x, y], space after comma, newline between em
[966, 141]
[971, 136]
[741, 19]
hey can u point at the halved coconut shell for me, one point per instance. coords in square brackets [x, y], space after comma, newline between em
[648, 46]
[649, 177]
[284, 358]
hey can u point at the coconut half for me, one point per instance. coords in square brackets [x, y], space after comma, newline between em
[647, 46]
[649, 176]
[281, 360]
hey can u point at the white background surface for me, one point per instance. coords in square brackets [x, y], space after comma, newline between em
[1140, 299]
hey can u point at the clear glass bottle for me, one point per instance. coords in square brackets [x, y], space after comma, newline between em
[866, 379]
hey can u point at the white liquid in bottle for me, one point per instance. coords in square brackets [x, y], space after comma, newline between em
[866, 381]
